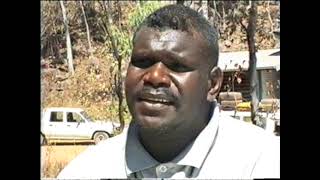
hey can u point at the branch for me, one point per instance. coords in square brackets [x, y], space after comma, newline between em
[243, 26]
[213, 6]
[107, 26]
[270, 19]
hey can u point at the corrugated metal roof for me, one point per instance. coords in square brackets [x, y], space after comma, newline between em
[266, 59]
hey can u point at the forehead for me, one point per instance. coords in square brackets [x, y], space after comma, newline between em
[151, 34]
[175, 41]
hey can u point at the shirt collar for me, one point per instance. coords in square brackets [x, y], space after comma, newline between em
[196, 152]
[137, 158]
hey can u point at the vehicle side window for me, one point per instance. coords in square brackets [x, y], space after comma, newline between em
[70, 117]
[56, 117]
[77, 117]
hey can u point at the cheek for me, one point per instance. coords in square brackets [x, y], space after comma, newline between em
[192, 87]
[132, 81]
[133, 76]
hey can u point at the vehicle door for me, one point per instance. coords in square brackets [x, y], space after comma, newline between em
[55, 126]
[77, 126]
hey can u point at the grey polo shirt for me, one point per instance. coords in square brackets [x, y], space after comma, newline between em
[226, 149]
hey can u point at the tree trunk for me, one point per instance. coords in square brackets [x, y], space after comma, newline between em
[118, 77]
[119, 90]
[87, 27]
[69, 47]
[252, 71]
[107, 28]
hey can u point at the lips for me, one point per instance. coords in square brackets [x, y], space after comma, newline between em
[156, 99]
[154, 105]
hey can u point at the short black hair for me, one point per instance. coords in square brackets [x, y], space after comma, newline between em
[180, 17]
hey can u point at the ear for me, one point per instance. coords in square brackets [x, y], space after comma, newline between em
[214, 83]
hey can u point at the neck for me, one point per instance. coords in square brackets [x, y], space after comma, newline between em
[165, 146]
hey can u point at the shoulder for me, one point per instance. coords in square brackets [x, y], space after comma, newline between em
[245, 138]
[96, 160]
[252, 144]
[237, 128]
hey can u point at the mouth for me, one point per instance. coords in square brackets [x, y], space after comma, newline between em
[156, 100]
[154, 106]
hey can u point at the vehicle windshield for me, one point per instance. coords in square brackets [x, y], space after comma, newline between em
[85, 115]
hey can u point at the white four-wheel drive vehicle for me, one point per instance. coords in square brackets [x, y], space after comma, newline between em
[72, 124]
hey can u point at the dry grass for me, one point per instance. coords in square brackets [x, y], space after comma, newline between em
[57, 157]
[86, 89]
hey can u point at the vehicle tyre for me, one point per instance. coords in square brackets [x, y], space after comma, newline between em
[100, 136]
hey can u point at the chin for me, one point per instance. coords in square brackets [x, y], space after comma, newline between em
[153, 123]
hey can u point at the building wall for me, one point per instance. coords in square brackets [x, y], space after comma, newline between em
[267, 78]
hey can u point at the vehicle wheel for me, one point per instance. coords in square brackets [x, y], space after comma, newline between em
[99, 136]
[43, 140]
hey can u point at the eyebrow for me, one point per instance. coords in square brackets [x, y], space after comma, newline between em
[173, 57]
[148, 54]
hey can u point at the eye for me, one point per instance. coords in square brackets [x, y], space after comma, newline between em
[178, 67]
[142, 63]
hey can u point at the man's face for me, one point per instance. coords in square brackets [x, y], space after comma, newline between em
[167, 79]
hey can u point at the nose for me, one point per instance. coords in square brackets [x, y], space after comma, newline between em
[157, 76]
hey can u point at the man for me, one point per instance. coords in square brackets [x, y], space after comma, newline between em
[177, 132]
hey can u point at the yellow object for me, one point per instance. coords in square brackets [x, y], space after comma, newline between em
[243, 106]
[265, 107]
